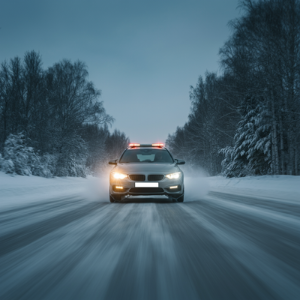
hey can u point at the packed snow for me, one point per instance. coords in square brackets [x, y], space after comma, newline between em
[20, 190]
[282, 187]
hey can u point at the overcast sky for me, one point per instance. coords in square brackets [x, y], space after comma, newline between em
[143, 54]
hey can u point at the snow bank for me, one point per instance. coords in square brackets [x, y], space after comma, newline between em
[21, 190]
[282, 187]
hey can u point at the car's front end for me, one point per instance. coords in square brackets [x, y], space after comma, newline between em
[146, 177]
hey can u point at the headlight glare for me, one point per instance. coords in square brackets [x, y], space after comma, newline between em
[119, 176]
[173, 175]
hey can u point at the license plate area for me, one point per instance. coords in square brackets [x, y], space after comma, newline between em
[146, 184]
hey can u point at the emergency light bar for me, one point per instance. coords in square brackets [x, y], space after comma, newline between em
[145, 145]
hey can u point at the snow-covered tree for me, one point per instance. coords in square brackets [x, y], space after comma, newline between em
[17, 155]
[251, 153]
[261, 58]
[53, 109]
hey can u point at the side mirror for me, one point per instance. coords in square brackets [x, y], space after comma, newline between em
[179, 161]
[112, 162]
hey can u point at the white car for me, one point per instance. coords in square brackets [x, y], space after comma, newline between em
[146, 170]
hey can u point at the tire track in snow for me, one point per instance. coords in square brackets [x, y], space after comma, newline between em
[59, 253]
[28, 234]
[276, 205]
[204, 263]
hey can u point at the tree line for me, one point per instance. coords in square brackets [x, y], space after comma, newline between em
[52, 122]
[246, 121]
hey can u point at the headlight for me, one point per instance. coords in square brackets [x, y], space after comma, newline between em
[173, 175]
[119, 176]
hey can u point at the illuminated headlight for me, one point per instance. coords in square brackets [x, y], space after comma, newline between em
[173, 175]
[119, 176]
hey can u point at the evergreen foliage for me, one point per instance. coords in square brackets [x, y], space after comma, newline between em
[52, 122]
[18, 157]
[248, 118]
[251, 153]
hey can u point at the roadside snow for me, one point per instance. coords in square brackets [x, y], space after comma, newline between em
[20, 190]
[283, 187]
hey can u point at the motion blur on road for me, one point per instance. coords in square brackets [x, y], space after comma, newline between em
[215, 245]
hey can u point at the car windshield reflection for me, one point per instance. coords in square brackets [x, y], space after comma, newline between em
[146, 156]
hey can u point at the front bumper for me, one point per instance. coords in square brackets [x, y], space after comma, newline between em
[165, 187]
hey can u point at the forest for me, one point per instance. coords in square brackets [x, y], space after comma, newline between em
[52, 122]
[246, 120]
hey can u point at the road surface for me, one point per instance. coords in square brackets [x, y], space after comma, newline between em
[220, 246]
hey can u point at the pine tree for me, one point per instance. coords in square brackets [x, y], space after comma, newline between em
[17, 155]
[251, 153]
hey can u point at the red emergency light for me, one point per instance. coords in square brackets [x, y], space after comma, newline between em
[158, 145]
[134, 145]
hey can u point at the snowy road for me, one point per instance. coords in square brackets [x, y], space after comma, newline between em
[220, 246]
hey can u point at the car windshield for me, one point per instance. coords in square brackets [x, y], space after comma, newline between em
[146, 156]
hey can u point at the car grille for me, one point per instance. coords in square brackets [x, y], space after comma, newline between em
[146, 190]
[155, 177]
[137, 177]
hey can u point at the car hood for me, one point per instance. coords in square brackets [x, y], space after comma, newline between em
[143, 168]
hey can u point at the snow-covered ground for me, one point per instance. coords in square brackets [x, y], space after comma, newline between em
[58, 241]
[18, 190]
[282, 187]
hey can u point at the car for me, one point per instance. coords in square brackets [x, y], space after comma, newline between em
[146, 170]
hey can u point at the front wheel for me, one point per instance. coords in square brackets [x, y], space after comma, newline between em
[115, 199]
[181, 198]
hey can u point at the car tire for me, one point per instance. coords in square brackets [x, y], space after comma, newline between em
[115, 199]
[181, 198]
